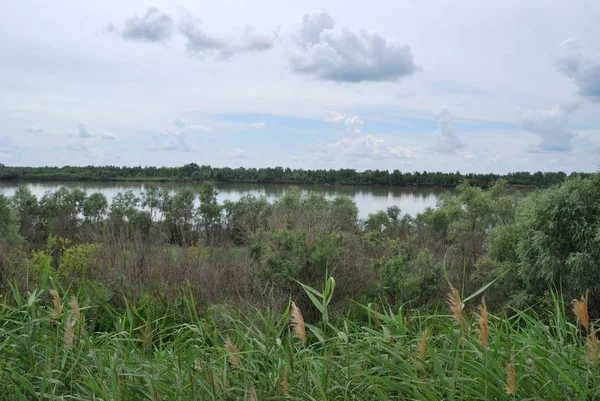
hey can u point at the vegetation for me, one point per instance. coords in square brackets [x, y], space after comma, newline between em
[171, 295]
[195, 173]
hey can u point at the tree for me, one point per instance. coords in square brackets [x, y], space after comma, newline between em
[26, 205]
[559, 244]
[209, 211]
[182, 214]
[95, 207]
[9, 223]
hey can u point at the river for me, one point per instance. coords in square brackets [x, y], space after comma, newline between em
[368, 199]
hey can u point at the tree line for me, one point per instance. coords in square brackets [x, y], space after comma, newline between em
[193, 172]
[160, 243]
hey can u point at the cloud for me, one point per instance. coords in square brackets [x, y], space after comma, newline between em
[36, 130]
[201, 44]
[258, 125]
[347, 56]
[153, 27]
[584, 71]
[363, 147]
[333, 117]
[238, 153]
[445, 140]
[551, 126]
[353, 124]
[309, 32]
[83, 130]
[6, 142]
[179, 123]
[108, 135]
[76, 147]
[199, 128]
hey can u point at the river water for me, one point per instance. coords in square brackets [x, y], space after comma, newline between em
[368, 199]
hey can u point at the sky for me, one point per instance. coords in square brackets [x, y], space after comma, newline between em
[423, 85]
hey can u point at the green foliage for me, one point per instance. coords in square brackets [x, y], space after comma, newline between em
[559, 245]
[143, 353]
[9, 223]
[94, 207]
[408, 274]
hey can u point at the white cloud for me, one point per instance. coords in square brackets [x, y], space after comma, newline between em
[445, 140]
[258, 125]
[76, 147]
[333, 117]
[238, 153]
[108, 135]
[36, 130]
[201, 44]
[179, 123]
[353, 124]
[83, 131]
[199, 128]
[348, 56]
[363, 147]
[154, 26]
[583, 70]
[551, 126]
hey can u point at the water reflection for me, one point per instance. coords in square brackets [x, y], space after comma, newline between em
[368, 199]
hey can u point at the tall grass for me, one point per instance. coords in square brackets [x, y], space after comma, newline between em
[49, 352]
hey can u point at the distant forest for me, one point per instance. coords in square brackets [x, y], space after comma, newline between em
[193, 172]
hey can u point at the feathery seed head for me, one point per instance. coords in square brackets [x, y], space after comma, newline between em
[592, 341]
[298, 323]
[580, 309]
[74, 304]
[511, 377]
[422, 349]
[455, 305]
[483, 325]
[56, 310]
[232, 352]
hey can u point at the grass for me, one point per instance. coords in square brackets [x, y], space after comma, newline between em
[49, 353]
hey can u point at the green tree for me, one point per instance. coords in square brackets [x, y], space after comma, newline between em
[209, 211]
[559, 244]
[95, 207]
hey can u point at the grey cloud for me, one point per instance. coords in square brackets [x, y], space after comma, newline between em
[309, 32]
[179, 123]
[551, 126]
[153, 27]
[108, 135]
[6, 142]
[36, 130]
[83, 130]
[176, 143]
[201, 44]
[445, 140]
[76, 147]
[585, 73]
[347, 56]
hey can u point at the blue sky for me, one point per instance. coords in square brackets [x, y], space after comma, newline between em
[414, 85]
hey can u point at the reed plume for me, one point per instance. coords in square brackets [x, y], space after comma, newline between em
[580, 309]
[422, 349]
[455, 305]
[252, 396]
[511, 377]
[298, 323]
[56, 310]
[483, 325]
[232, 352]
[74, 304]
[592, 342]
[68, 335]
